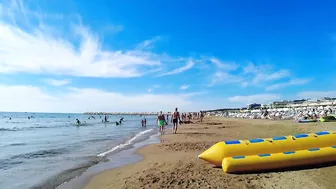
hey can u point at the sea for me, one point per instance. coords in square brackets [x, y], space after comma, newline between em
[46, 150]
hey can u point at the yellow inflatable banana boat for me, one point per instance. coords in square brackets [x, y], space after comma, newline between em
[221, 150]
[288, 159]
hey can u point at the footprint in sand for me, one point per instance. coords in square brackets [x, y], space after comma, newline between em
[186, 146]
[226, 127]
[213, 123]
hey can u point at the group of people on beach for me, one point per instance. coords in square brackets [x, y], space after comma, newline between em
[162, 121]
[177, 119]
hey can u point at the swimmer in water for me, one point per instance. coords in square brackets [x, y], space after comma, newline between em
[121, 120]
[78, 122]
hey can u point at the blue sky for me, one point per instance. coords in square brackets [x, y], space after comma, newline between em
[75, 56]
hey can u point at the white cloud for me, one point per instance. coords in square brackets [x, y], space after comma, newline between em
[153, 87]
[57, 82]
[225, 66]
[148, 44]
[278, 75]
[258, 98]
[266, 77]
[186, 67]
[224, 77]
[42, 54]
[252, 68]
[250, 75]
[286, 84]
[34, 99]
[316, 94]
[30, 48]
[184, 87]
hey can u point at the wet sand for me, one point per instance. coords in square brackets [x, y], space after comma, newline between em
[173, 163]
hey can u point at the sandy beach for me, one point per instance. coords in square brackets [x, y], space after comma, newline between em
[173, 163]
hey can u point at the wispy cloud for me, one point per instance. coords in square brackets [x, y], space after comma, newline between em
[57, 82]
[148, 44]
[286, 84]
[259, 75]
[258, 98]
[252, 68]
[224, 65]
[153, 87]
[273, 76]
[224, 77]
[186, 67]
[184, 87]
[44, 50]
[316, 94]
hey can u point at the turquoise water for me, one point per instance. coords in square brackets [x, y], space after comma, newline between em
[49, 149]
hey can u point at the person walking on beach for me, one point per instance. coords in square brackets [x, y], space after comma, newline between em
[174, 119]
[161, 122]
[202, 116]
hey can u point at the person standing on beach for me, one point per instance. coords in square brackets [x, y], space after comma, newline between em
[202, 116]
[174, 119]
[161, 122]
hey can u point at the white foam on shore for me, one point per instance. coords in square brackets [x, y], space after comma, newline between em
[124, 144]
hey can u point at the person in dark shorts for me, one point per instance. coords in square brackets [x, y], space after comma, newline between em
[202, 116]
[175, 117]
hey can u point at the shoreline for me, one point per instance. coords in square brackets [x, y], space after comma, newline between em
[77, 176]
[129, 155]
[173, 162]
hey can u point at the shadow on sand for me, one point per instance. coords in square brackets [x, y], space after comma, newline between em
[297, 168]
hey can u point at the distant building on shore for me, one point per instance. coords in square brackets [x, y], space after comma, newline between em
[253, 106]
[326, 101]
